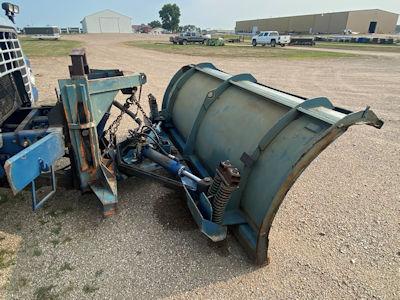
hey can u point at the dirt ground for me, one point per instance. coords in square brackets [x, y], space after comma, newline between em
[337, 234]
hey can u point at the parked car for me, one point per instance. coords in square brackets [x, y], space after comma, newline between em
[270, 38]
[188, 38]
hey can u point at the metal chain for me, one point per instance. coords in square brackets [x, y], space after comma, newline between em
[113, 128]
[139, 106]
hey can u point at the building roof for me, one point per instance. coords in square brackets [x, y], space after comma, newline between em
[106, 10]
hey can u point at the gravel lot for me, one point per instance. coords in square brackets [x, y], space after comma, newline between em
[337, 234]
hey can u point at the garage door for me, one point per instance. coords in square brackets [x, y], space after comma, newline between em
[109, 25]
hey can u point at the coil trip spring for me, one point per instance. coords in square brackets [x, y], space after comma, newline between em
[220, 201]
[215, 185]
[226, 181]
[154, 114]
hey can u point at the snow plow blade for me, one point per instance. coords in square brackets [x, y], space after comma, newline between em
[271, 136]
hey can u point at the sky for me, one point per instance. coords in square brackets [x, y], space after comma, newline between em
[215, 14]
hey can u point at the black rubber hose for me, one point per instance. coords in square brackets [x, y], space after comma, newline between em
[153, 130]
[128, 112]
[155, 142]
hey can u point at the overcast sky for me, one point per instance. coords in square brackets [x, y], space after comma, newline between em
[220, 14]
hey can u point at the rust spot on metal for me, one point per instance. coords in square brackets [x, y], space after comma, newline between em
[84, 164]
[7, 169]
[93, 143]
[110, 212]
[92, 172]
[67, 116]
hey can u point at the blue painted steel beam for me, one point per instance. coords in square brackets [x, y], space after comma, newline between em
[25, 166]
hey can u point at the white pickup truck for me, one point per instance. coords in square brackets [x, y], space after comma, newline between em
[270, 38]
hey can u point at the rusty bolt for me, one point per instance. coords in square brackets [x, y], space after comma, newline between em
[229, 174]
[225, 164]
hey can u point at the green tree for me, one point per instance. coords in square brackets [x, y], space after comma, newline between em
[155, 24]
[169, 15]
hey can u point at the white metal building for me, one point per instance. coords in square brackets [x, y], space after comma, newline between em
[157, 31]
[107, 21]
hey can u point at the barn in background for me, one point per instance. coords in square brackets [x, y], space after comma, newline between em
[107, 21]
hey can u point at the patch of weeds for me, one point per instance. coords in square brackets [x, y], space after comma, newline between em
[46, 205]
[66, 267]
[45, 293]
[55, 242]
[22, 282]
[18, 226]
[57, 229]
[37, 252]
[53, 213]
[2, 238]
[99, 273]
[67, 239]
[4, 197]
[89, 288]
[43, 221]
[20, 197]
[60, 212]
[67, 210]
[66, 291]
[6, 259]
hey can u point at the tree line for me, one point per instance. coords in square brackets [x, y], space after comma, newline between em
[170, 18]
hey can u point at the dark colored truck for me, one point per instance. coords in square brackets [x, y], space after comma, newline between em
[17, 83]
[189, 38]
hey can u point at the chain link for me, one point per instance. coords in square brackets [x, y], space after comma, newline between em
[115, 124]
[113, 128]
[139, 106]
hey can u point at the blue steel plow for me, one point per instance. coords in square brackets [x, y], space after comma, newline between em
[232, 177]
